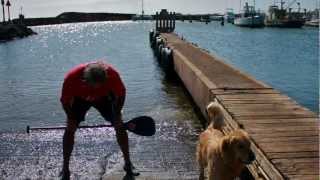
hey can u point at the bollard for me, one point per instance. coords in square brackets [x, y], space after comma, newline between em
[159, 52]
[167, 60]
[151, 34]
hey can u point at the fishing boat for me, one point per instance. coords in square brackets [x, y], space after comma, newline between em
[284, 16]
[229, 15]
[250, 17]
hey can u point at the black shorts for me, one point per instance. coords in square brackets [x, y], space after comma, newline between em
[80, 108]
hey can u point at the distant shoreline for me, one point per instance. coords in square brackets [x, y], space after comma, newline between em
[73, 17]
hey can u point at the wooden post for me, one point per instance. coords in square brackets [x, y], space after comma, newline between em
[157, 21]
[165, 22]
[174, 21]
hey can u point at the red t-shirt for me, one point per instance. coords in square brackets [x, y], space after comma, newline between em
[75, 86]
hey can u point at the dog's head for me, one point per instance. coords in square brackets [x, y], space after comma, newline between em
[235, 148]
[215, 115]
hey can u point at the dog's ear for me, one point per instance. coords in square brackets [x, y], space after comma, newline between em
[226, 143]
[226, 148]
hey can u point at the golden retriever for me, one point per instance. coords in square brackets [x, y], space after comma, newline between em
[223, 156]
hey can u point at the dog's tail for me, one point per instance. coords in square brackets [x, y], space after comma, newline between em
[215, 116]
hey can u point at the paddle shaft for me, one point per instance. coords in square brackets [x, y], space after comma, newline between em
[64, 127]
[81, 127]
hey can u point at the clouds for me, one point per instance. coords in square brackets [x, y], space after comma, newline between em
[46, 8]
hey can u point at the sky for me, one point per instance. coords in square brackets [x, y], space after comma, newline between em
[50, 8]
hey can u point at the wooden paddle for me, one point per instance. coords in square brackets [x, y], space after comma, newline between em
[142, 125]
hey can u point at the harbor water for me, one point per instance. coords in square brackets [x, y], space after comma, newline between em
[286, 59]
[32, 72]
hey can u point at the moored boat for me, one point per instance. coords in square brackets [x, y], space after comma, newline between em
[250, 17]
[284, 17]
[229, 16]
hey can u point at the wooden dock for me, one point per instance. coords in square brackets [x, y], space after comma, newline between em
[285, 135]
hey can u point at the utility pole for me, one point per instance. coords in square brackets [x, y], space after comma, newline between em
[4, 14]
[8, 4]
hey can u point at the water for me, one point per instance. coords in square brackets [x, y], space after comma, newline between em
[32, 71]
[286, 59]
[31, 75]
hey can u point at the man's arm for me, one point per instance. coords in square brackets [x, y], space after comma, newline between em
[67, 97]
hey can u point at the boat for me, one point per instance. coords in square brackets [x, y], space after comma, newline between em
[284, 17]
[216, 17]
[313, 23]
[313, 20]
[141, 17]
[229, 15]
[250, 17]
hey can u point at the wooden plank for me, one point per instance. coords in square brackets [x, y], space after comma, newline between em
[262, 139]
[298, 166]
[243, 91]
[261, 128]
[273, 128]
[255, 101]
[253, 97]
[296, 121]
[269, 109]
[275, 116]
[293, 155]
[303, 177]
[288, 146]
[276, 134]
[264, 106]
[288, 124]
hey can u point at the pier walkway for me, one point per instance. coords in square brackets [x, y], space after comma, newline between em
[284, 134]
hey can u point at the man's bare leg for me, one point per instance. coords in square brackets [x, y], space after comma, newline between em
[68, 142]
[122, 139]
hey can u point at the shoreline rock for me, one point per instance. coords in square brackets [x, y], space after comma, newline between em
[12, 31]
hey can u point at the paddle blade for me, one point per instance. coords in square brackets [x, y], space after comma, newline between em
[143, 126]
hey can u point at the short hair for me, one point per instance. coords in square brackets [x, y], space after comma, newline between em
[95, 73]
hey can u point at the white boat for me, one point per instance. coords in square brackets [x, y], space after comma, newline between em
[250, 18]
[229, 15]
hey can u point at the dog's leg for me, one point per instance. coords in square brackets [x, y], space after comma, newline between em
[200, 163]
[201, 175]
[211, 170]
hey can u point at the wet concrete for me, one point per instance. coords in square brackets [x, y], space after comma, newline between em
[170, 154]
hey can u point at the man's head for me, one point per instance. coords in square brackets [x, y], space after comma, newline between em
[95, 74]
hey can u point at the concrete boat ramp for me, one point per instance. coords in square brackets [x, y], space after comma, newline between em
[169, 155]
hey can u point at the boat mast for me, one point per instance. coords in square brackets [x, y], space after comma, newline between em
[282, 3]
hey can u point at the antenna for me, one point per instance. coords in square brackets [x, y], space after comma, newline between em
[142, 8]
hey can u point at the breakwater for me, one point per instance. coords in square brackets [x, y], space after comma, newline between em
[74, 17]
[11, 31]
